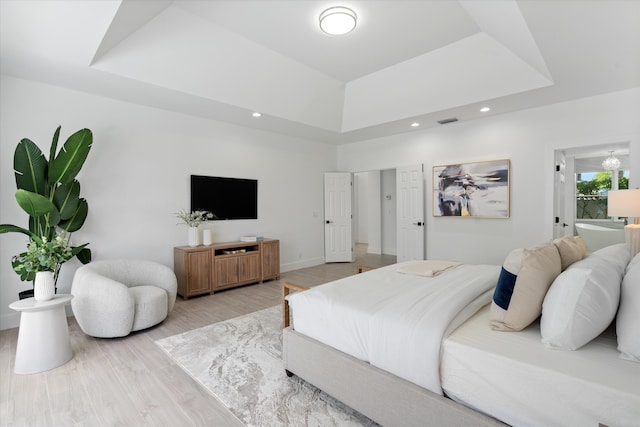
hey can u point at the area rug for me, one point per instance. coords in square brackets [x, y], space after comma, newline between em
[240, 362]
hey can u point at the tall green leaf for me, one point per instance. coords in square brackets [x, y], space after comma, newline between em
[66, 199]
[10, 228]
[53, 219]
[30, 167]
[34, 204]
[66, 165]
[54, 144]
[77, 220]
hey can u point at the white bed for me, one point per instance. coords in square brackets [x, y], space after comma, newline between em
[349, 335]
[392, 320]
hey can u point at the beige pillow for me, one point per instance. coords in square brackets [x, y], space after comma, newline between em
[569, 249]
[583, 247]
[524, 280]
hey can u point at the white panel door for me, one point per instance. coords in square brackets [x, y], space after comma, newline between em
[560, 226]
[410, 213]
[338, 241]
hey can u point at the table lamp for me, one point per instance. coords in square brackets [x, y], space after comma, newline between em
[626, 203]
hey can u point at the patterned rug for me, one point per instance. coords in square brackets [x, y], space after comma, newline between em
[240, 362]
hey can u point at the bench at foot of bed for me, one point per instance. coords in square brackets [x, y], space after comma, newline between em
[286, 289]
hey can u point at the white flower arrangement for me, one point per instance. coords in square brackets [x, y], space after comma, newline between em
[195, 218]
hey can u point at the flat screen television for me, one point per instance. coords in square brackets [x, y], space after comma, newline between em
[227, 198]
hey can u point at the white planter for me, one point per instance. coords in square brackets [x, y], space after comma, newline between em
[193, 236]
[44, 287]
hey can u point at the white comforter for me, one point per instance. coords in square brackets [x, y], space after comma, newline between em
[392, 320]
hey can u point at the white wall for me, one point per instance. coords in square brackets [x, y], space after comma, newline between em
[529, 139]
[137, 177]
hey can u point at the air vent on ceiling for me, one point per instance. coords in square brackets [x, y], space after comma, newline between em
[445, 121]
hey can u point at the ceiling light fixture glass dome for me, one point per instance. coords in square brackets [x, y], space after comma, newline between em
[338, 20]
[611, 163]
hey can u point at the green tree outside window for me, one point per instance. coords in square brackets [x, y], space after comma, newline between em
[591, 202]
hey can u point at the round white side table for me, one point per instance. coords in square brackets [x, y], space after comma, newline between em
[43, 337]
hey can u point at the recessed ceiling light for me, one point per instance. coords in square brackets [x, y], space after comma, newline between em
[415, 124]
[256, 114]
[338, 20]
[485, 109]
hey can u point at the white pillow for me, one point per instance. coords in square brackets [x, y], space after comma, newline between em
[628, 319]
[583, 300]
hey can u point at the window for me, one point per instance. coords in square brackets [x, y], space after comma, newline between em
[592, 189]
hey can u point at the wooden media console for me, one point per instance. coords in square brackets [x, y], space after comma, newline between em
[206, 269]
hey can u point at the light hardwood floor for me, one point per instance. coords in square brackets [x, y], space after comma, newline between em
[130, 381]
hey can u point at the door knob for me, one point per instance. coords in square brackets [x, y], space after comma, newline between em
[328, 222]
[419, 223]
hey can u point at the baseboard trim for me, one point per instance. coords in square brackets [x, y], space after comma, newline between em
[301, 264]
[389, 251]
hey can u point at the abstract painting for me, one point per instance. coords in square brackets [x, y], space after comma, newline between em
[478, 190]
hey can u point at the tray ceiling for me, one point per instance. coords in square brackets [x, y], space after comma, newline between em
[406, 61]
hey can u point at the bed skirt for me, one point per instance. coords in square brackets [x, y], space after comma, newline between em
[381, 396]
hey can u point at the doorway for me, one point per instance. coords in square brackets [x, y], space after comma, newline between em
[389, 212]
[580, 186]
[374, 212]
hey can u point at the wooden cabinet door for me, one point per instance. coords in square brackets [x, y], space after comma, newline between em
[249, 268]
[226, 271]
[192, 267]
[198, 273]
[270, 259]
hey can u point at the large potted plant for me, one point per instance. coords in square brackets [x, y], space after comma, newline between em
[49, 193]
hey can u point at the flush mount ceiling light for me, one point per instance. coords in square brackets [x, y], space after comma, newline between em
[611, 163]
[338, 20]
[485, 109]
[256, 114]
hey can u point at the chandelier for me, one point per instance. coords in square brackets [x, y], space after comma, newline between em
[611, 163]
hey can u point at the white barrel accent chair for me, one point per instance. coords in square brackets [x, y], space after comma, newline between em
[112, 298]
